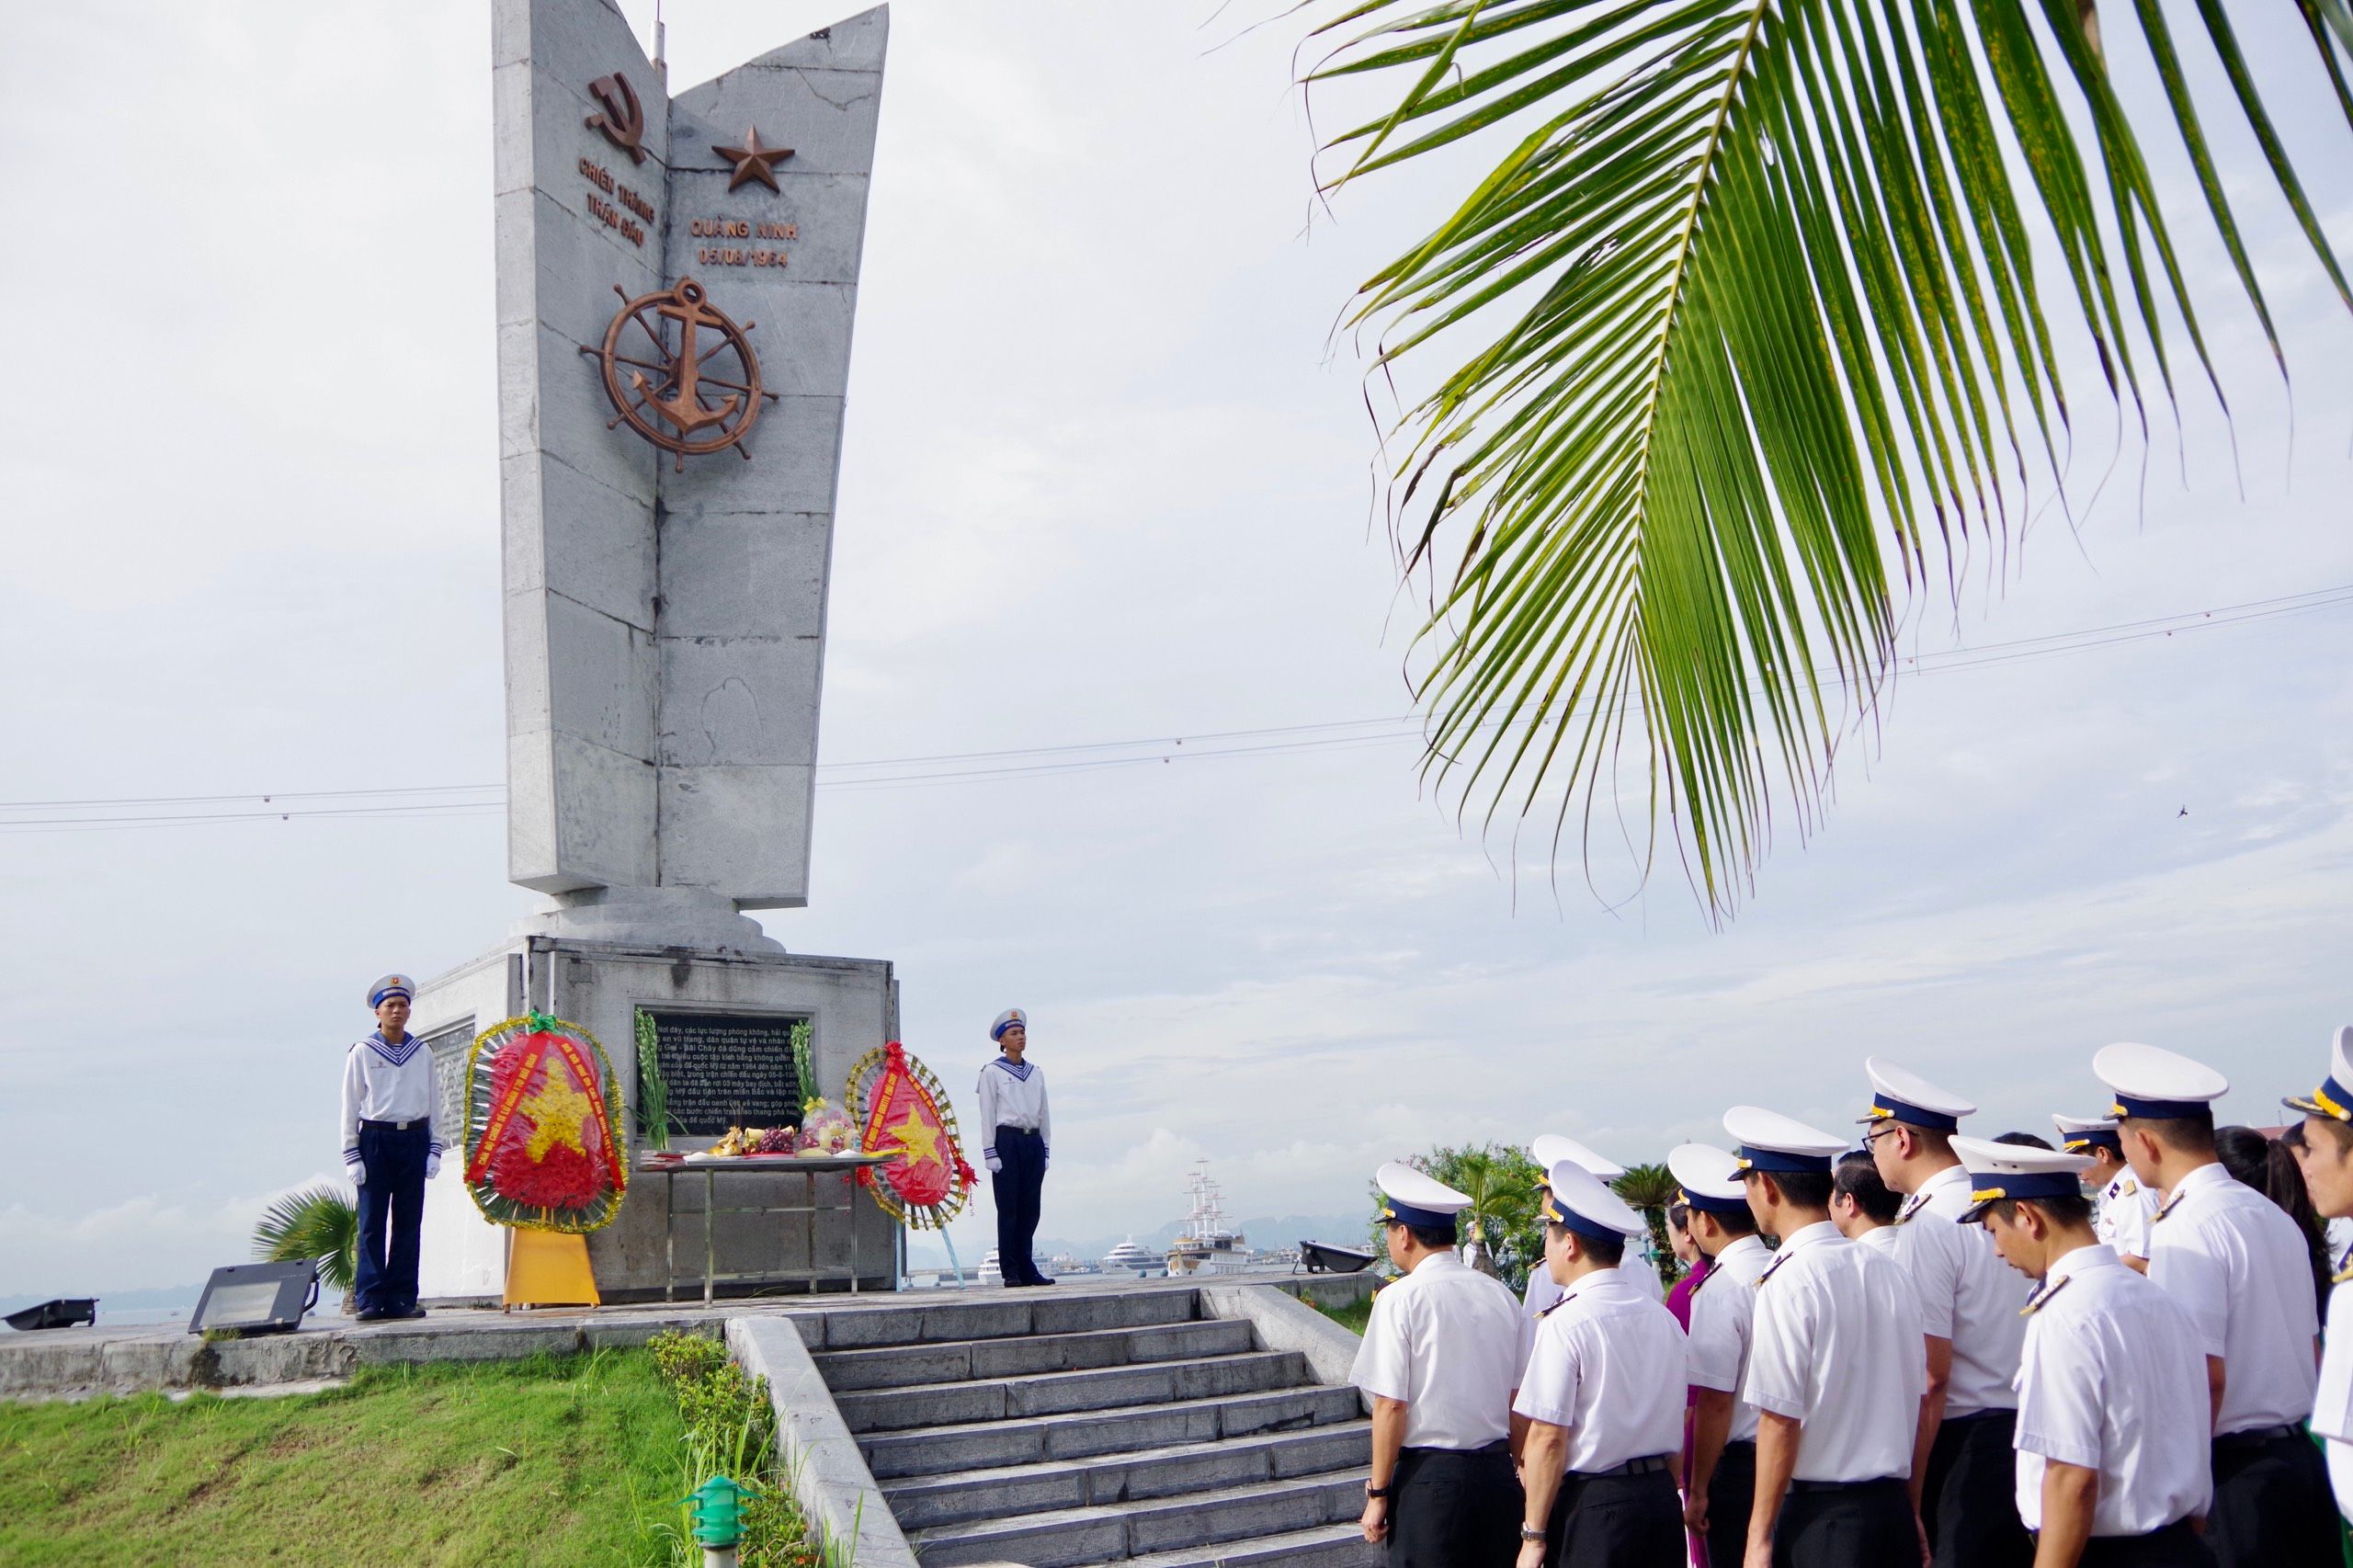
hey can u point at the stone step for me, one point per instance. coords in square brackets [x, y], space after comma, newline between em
[963, 1497]
[1066, 1537]
[933, 1450]
[897, 1366]
[1333, 1546]
[1056, 1394]
[1006, 1315]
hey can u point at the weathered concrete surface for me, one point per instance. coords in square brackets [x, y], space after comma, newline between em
[1285, 1322]
[829, 1475]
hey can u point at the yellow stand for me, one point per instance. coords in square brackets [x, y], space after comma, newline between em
[545, 1268]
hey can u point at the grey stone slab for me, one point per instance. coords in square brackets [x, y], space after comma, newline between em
[574, 289]
[1079, 1312]
[592, 548]
[1282, 1321]
[739, 701]
[823, 220]
[1326, 1546]
[832, 1483]
[729, 827]
[1106, 1347]
[795, 445]
[600, 796]
[603, 678]
[1152, 1474]
[850, 1371]
[1238, 1374]
[937, 1406]
[574, 42]
[749, 575]
[931, 1452]
[826, 115]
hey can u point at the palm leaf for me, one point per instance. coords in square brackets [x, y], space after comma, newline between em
[1749, 340]
[321, 1222]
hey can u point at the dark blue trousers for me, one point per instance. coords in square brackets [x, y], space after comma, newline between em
[1016, 1188]
[391, 1211]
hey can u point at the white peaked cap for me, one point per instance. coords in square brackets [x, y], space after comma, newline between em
[1419, 1189]
[1753, 1127]
[1548, 1148]
[1906, 1096]
[2150, 1074]
[1580, 1201]
[2334, 1098]
[1706, 1171]
[2076, 1126]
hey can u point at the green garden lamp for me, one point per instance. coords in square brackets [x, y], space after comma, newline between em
[718, 1505]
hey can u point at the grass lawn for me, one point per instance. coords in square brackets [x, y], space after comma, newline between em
[1353, 1316]
[567, 1461]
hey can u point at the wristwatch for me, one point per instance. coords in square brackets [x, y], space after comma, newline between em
[1373, 1490]
[1529, 1532]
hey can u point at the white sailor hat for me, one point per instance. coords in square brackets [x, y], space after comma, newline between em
[1709, 1177]
[1576, 1197]
[1998, 1170]
[1548, 1148]
[1906, 1097]
[2158, 1084]
[1011, 1018]
[2334, 1098]
[398, 985]
[1416, 1197]
[1771, 1142]
[2082, 1134]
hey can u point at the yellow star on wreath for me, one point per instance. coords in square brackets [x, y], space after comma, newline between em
[556, 1112]
[917, 1137]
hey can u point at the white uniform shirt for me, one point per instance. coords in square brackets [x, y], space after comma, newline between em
[1542, 1292]
[2234, 1259]
[1837, 1346]
[1608, 1364]
[2123, 1219]
[1967, 1293]
[2113, 1381]
[1014, 1097]
[1446, 1340]
[1887, 1238]
[389, 1082]
[2332, 1406]
[1724, 1315]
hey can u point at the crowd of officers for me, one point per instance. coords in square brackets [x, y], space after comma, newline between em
[1993, 1371]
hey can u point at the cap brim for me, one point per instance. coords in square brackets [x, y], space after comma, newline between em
[1974, 1212]
[2309, 1106]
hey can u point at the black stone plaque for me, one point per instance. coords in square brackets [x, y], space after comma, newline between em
[726, 1070]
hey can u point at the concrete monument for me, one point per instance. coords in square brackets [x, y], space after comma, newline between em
[676, 282]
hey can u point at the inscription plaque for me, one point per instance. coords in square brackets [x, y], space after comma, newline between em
[726, 1069]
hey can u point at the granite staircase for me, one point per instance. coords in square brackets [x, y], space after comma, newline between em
[1119, 1427]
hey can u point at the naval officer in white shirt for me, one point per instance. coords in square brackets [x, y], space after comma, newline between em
[1548, 1148]
[1835, 1368]
[1964, 1471]
[1600, 1406]
[2239, 1265]
[2122, 1219]
[392, 1147]
[1440, 1359]
[1721, 1488]
[2324, 1149]
[1021, 1133]
[2112, 1465]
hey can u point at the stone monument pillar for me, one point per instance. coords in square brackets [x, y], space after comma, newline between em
[676, 282]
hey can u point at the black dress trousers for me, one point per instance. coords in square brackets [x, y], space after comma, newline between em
[2176, 1546]
[391, 1214]
[1616, 1521]
[1969, 1501]
[1865, 1524]
[1732, 1496]
[1016, 1185]
[1454, 1508]
[2272, 1508]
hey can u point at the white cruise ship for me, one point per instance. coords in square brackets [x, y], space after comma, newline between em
[1130, 1258]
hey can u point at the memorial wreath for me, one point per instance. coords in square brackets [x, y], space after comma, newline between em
[901, 1108]
[543, 1149]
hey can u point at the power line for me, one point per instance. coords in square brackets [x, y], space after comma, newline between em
[1031, 762]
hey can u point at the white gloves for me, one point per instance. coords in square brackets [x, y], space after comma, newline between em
[994, 1163]
[432, 1166]
[359, 1174]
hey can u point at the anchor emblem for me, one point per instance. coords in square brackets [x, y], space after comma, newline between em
[623, 120]
[692, 385]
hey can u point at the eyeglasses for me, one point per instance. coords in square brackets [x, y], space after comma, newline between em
[1870, 1138]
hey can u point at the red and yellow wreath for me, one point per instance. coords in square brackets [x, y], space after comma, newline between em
[543, 1148]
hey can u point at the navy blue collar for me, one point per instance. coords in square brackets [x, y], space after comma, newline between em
[398, 1055]
[1020, 1070]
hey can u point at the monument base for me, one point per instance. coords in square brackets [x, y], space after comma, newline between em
[852, 1005]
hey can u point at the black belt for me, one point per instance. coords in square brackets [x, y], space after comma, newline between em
[2258, 1435]
[1647, 1465]
[1500, 1446]
[396, 1126]
[1844, 1485]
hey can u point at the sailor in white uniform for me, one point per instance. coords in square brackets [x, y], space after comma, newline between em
[1548, 1148]
[2112, 1465]
[1835, 1367]
[1021, 1133]
[392, 1147]
[1964, 1470]
[1602, 1396]
[2240, 1266]
[2125, 1209]
[1861, 1204]
[2324, 1147]
[1720, 1489]
[1440, 1359]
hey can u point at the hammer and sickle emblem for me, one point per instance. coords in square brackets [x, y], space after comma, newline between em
[623, 120]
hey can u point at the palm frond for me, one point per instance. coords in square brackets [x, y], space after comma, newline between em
[322, 1223]
[1756, 344]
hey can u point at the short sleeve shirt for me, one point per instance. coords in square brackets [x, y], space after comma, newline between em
[2239, 1266]
[1609, 1366]
[1836, 1347]
[2333, 1405]
[2122, 1221]
[1446, 1340]
[1968, 1294]
[1723, 1314]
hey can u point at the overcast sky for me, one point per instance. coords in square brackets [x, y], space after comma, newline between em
[1106, 478]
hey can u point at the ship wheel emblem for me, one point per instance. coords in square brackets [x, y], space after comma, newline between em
[680, 373]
